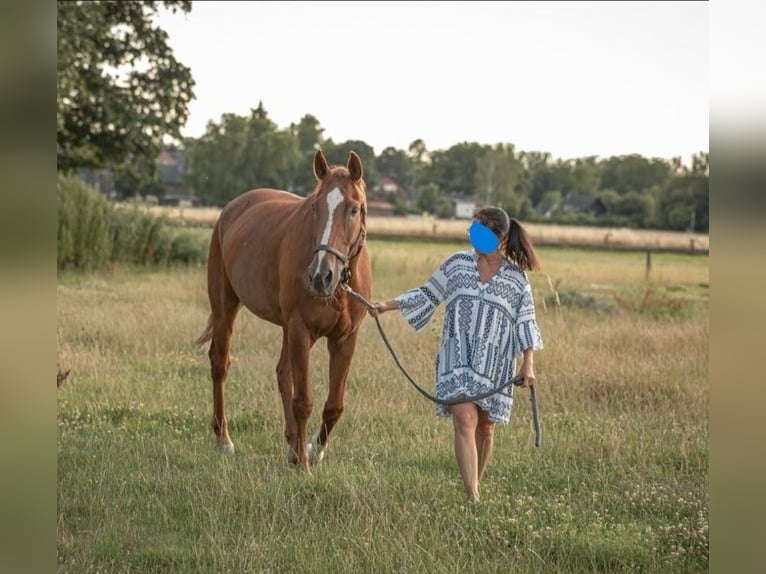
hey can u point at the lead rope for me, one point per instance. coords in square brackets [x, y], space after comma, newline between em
[517, 380]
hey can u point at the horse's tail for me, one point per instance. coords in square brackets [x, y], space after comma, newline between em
[207, 334]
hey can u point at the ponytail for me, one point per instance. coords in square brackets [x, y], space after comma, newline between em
[519, 249]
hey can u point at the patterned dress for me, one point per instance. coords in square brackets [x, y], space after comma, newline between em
[486, 326]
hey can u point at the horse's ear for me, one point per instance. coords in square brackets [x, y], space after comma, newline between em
[354, 165]
[321, 168]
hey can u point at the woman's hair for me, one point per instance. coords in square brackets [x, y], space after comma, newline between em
[518, 246]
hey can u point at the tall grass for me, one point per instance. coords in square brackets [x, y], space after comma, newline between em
[94, 235]
[618, 485]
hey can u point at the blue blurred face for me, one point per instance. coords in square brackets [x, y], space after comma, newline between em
[483, 238]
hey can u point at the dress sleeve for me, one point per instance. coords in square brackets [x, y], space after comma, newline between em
[527, 332]
[417, 305]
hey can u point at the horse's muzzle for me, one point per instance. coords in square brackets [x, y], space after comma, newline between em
[323, 276]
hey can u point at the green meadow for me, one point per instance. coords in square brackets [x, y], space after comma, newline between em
[619, 483]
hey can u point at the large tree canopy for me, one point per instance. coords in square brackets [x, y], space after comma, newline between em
[241, 153]
[120, 90]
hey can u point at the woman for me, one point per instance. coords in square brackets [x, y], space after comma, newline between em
[489, 320]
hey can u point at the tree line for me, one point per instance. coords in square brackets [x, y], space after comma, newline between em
[118, 121]
[239, 152]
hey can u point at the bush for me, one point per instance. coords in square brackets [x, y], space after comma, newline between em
[92, 233]
[187, 247]
[138, 238]
[579, 300]
[84, 219]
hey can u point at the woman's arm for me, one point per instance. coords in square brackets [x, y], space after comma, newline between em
[527, 369]
[381, 307]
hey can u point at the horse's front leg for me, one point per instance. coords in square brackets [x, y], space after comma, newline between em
[303, 398]
[341, 353]
[285, 380]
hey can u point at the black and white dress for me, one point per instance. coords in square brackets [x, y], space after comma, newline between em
[486, 326]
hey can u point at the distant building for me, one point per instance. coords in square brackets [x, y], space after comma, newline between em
[464, 208]
[102, 180]
[572, 204]
[587, 204]
[171, 167]
[388, 184]
[171, 188]
[380, 208]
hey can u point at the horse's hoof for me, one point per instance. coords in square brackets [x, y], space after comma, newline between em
[316, 451]
[227, 448]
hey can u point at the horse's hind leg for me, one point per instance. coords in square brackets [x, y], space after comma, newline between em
[341, 353]
[220, 361]
[224, 308]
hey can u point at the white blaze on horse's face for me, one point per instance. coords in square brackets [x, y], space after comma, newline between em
[326, 268]
[334, 198]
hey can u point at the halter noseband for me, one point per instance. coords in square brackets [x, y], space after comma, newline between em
[332, 250]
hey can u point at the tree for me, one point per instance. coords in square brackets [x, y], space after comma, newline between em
[537, 178]
[634, 173]
[586, 175]
[270, 156]
[497, 174]
[430, 201]
[635, 207]
[309, 135]
[213, 158]
[454, 170]
[120, 90]
[420, 158]
[337, 154]
[683, 203]
[396, 163]
[242, 153]
[701, 163]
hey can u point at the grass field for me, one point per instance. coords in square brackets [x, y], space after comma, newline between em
[618, 485]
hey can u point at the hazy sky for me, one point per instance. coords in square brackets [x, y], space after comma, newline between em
[570, 78]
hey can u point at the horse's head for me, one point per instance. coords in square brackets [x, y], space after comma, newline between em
[339, 206]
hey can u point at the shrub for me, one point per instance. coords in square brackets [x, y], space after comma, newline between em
[84, 214]
[187, 247]
[576, 299]
[93, 233]
[138, 237]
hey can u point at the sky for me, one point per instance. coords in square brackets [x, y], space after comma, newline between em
[574, 79]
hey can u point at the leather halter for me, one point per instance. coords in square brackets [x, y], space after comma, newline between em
[338, 254]
[356, 248]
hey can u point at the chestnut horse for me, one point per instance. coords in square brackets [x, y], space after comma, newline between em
[284, 258]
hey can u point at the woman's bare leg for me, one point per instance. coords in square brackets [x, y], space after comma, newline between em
[485, 434]
[465, 418]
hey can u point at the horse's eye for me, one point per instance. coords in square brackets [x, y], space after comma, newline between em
[354, 210]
